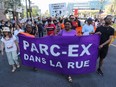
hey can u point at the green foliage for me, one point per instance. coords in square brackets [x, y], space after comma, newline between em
[11, 4]
[111, 8]
[34, 12]
[114, 26]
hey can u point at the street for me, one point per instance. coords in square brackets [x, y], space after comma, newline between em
[26, 77]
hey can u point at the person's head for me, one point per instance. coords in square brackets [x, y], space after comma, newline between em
[55, 22]
[108, 20]
[38, 18]
[68, 25]
[49, 21]
[61, 20]
[28, 28]
[6, 32]
[96, 20]
[2, 22]
[89, 21]
[71, 17]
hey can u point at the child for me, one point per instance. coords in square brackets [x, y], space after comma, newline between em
[10, 44]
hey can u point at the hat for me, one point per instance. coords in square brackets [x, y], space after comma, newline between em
[89, 19]
[107, 16]
[6, 29]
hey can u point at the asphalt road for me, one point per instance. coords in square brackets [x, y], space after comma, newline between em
[25, 77]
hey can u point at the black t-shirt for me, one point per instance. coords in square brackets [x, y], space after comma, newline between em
[40, 27]
[106, 32]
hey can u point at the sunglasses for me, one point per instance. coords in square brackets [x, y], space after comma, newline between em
[71, 18]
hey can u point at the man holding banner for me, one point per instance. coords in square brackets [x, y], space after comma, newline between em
[107, 33]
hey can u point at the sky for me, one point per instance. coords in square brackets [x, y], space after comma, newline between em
[44, 4]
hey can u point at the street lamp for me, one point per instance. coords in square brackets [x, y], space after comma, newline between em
[26, 9]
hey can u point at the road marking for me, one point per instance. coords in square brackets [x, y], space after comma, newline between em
[113, 45]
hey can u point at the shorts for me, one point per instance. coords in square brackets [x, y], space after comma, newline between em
[12, 57]
[103, 52]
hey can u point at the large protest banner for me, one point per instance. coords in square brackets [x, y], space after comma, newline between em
[61, 54]
[57, 9]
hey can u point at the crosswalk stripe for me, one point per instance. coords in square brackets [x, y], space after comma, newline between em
[113, 45]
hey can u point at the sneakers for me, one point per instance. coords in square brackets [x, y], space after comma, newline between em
[13, 70]
[70, 79]
[99, 71]
[18, 66]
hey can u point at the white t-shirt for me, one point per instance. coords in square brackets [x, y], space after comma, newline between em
[16, 32]
[9, 44]
[87, 29]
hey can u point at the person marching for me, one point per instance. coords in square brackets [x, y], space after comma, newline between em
[29, 32]
[68, 31]
[88, 28]
[50, 28]
[11, 47]
[107, 33]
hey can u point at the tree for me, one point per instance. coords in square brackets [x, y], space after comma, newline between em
[11, 5]
[35, 11]
[111, 8]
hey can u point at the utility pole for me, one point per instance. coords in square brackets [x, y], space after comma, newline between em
[30, 9]
[26, 9]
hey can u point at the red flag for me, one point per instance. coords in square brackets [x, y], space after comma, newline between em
[75, 12]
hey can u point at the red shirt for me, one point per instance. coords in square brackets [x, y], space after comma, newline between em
[50, 29]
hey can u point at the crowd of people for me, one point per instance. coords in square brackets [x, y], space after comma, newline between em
[54, 27]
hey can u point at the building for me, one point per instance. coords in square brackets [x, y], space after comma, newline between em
[90, 5]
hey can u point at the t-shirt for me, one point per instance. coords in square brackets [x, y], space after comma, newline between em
[87, 29]
[74, 25]
[16, 32]
[67, 33]
[106, 32]
[9, 44]
[50, 29]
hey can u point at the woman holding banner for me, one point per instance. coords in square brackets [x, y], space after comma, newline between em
[29, 33]
[11, 47]
[68, 31]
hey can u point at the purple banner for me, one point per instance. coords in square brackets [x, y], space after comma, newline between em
[62, 54]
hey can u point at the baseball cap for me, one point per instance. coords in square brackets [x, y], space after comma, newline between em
[89, 19]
